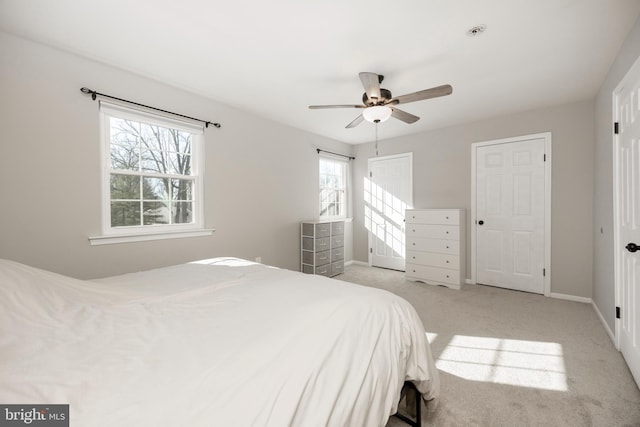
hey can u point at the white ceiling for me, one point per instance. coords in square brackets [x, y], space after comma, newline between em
[274, 58]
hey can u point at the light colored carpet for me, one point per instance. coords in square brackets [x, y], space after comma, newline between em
[508, 358]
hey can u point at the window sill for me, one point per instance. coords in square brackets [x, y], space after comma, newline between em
[128, 238]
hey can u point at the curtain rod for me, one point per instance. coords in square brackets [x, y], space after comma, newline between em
[335, 154]
[94, 94]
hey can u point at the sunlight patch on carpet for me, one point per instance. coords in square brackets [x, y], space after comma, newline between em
[533, 364]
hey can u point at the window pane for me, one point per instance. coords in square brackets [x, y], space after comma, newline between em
[125, 187]
[165, 162]
[182, 189]
[155, 213]
[182, 212]
[154, 137]
[179, 164]
[124, 157]
[124, 132]
[155, 188]
[180, 141]
[125, 214]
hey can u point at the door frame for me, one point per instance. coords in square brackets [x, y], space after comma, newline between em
[408, 155]
[547, 201]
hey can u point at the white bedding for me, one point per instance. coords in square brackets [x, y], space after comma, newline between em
[221, 342]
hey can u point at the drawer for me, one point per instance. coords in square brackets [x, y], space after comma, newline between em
[433, 231]
[435, 216]
[337, 228]
[323, 229]
[312, 229]
[323, 257]
[321, 244]
[432, 274]
[316, 258]
[323, 270]
[434, 259]
[337, 241]
[433, 245]
[337, 268]
[337, 254]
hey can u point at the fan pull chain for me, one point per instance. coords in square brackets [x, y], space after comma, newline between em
[376, 139]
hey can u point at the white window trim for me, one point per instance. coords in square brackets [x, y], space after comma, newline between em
[347, 195]
[111, 235]
[128, 238]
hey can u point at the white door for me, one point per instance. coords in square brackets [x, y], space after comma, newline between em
[510, 214]
[388, 192]
[627, 218]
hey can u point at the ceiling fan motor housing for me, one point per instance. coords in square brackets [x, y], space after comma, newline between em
[385, 95]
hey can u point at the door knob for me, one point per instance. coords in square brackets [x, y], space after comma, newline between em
[632, 247]
[480, 222]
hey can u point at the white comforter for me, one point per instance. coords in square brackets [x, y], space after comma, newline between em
[222, 342]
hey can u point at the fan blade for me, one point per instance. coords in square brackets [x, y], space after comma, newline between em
[356, 122]
[434, 92]
[404, 116]
[371, 83]
[317, 107]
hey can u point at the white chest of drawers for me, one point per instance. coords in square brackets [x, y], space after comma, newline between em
[435, 246]
[322, 247]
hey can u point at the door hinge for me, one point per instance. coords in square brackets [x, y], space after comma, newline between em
[544, 272]
[544, 157]
[617, 312]
[616, 128]
[370, 250]
[370, 174]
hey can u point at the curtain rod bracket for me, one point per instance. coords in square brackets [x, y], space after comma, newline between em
[95, 94]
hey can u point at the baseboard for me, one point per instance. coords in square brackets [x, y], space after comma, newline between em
[571, 298]
[612, 336]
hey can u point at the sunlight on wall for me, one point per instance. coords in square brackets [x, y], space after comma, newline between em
[384, 218]
[532, 364]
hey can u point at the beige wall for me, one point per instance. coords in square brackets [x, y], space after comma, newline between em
[442, 179]
[261, 177]
[603, 265]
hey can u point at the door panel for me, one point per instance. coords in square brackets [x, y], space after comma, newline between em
[627, 218]
[387, 195]
[510, 214]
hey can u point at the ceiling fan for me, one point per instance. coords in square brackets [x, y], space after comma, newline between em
[379, 104]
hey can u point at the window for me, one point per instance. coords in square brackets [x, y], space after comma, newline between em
[333, 188]
[152, 181]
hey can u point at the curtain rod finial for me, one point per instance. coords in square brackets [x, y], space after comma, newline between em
[87, 91]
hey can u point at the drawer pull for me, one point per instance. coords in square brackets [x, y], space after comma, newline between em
[447, 261]
[414, 244]
[447, 276]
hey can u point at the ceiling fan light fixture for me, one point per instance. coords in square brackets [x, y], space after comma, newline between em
[377, 113]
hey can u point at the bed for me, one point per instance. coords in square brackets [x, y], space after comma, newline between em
[218, 342]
